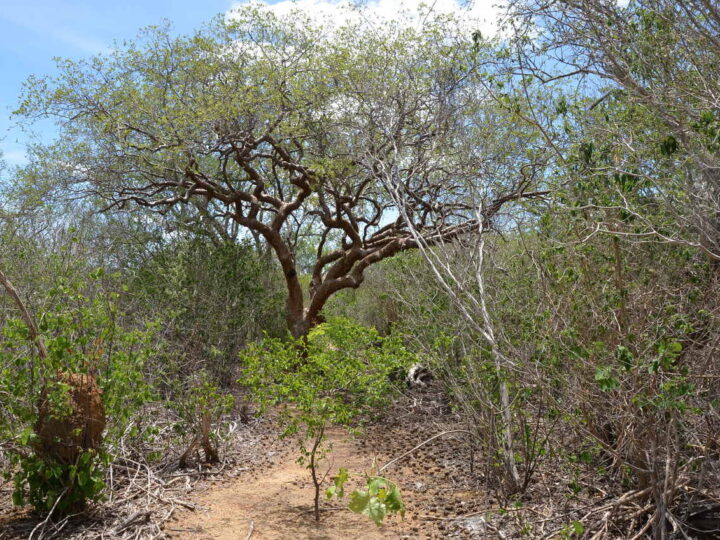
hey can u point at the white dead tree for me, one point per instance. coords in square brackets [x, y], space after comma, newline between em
[478, 206]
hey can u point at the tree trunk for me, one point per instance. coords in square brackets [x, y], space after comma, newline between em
[317, 481]
[298, 325]
[26, 316]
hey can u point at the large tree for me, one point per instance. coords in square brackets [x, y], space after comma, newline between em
[291, 131]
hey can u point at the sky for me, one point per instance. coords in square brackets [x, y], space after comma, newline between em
[33, 32]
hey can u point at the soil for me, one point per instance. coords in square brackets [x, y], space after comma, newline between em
[271, 503]
[275, 502]
[259, 491]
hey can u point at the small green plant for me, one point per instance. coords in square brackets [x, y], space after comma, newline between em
[51, 486]
[572, 530]
[339, 375]
[380, 498]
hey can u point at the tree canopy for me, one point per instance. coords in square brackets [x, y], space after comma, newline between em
[290, 130]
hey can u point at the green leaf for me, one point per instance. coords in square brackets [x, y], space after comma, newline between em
[669, 145]
[394, 502]
[83, 478]
[359, 501]
[338, 486]
[606, 380]
[376, 510]
[25, 436]
[17, 498]
[586, 152]
[624, 357]
[375, 485]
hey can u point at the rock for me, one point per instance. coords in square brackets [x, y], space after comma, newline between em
[418, 376]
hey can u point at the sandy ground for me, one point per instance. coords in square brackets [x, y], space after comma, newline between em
[276, 503]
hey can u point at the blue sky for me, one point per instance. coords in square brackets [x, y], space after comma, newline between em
[32, 32]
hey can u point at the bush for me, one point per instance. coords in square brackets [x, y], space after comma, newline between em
[59, 464]
[199, 405]
[339, 375]
[212, 300]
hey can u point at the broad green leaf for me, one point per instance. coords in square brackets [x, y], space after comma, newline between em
[376, 510]
[394, 502]
[359, 501]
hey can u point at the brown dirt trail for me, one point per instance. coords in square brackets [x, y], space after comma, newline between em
[276, 503]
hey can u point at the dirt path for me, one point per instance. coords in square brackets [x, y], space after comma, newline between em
[261, 492]
[275, 503]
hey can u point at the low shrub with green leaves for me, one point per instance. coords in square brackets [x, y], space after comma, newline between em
[200, 404]
[58, 488]
[339, 375]
[83, 335]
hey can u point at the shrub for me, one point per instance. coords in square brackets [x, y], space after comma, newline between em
[41, 397]
[199, 405]
[339, 375]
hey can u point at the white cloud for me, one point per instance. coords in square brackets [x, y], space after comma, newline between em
[13, 157]
[475, 15]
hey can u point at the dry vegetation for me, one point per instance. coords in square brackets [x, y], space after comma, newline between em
[231, 260]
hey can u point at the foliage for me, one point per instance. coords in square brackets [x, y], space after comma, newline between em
[201, 398]
[339, 375]
[200, 404]
[83, 334]
[380, 498]
[57, 488]
[211, 300]
[561, 183]
[642, 107]
[290, 131]
[340, 371]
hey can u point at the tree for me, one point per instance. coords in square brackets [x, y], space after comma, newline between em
[342, 374]
[639, 113]
[464, 284]
[648, 122]
[286, 129]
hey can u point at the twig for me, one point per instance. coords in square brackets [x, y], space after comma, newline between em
[393, 461]
[252, 528]
[478, 513]
[643, 530]
[137, 516]
[206, 473]
[26, 316]
[189, 505]
[45, 521]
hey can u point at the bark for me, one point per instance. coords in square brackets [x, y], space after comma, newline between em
[26, 316]
[317, 481]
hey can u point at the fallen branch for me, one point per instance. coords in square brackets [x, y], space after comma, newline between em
[132, 519]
